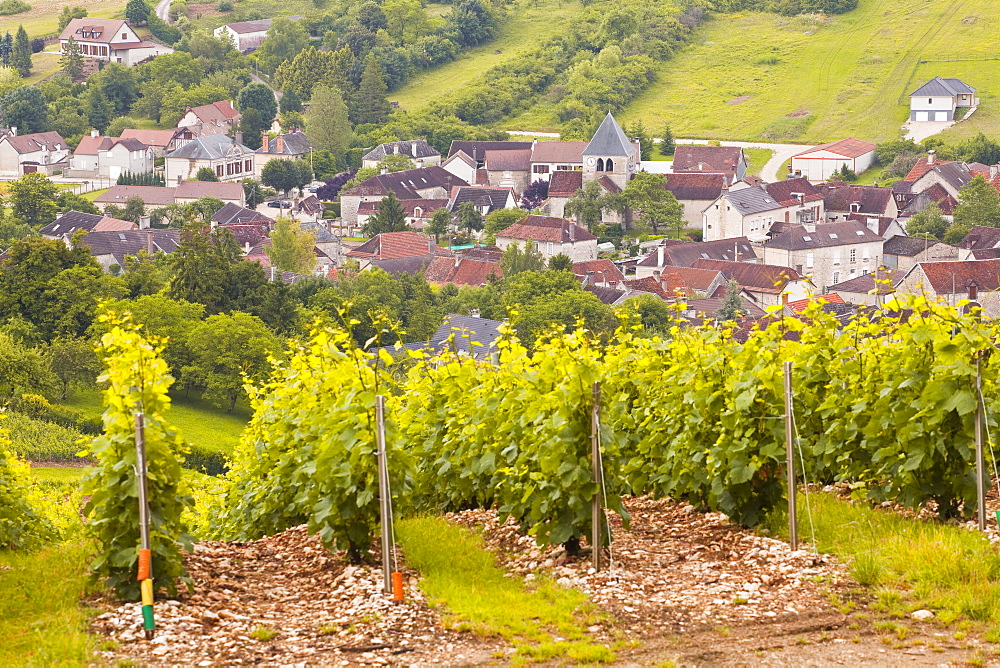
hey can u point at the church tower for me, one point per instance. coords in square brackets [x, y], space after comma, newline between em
[610, 153]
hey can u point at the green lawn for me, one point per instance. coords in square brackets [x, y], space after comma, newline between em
[532, 21]
[846, 75]
[43, 18]
[199, 422]
[756, 159]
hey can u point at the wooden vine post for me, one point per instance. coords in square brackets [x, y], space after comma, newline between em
[597, 512]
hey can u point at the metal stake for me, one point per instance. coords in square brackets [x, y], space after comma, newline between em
[793, 528]
[140, 446]
[597, 513]
[383, 491]
[980, 460]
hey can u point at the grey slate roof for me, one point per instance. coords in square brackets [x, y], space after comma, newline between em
[413, 148]
[610, 139]
[470, 331]
[938, 87]
[494, 198]
[212, 147]
[71, 221]
[130, 242]
[685, 254]
[293, 143]
[233, 214]
[826, 235]
[907, 246]
[752, 200]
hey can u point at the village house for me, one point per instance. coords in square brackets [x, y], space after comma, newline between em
[981, 243]
[938, 99]
[184, 193]
[902, 252]
[109, 40]
[418, 212]
[418, 151]
[44, 152]
[461, 270]
[764, 284]
[160, 142]
[828, 253]
[246, 36]
[670, 253]
[752, 211]
[248, 226]
[462, 166]
[486, 200]
[71, 222]
[217, 118]
[886, 227]
[229, 159]
[288, 146]
[548, 157]
[432, 182]
[841, 199]
[461, 334]
[476, 150]
[598, 272]
[110, 248]
[726, 160]
[550, 236]
[696, 282]
[415, 248]
[508, 169]
[954, 282]
[869, 289]
[563, 186]
[109, 157]
[695, 192]
[821, 162]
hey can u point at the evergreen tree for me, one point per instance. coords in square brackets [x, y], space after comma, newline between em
[6, 48]
[667, 143]
[327, 125]
[732, 305]
[21, 55]
[638, 133]
[515, 259]
[390, 217]
[206, 174]
[72, 61]
[291, 102]
[560, 262]
[98, 110]
[469, 217]
[370, 104]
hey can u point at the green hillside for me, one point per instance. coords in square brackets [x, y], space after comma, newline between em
[763, 76]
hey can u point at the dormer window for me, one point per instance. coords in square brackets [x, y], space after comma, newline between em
[855, 207]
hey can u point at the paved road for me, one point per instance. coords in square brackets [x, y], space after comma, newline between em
[162, 10]
[782, 153]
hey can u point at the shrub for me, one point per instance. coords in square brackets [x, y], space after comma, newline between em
[41, 441]
[37, 45]
[8, 7]
[203, 460]
[21, 527]
[39, 408]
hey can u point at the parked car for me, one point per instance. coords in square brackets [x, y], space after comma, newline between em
[280, 204]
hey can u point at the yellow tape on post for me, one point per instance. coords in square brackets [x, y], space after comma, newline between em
[147, 592]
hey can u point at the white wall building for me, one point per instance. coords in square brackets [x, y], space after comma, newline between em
[820, 162]
[550, 236]
[110, 40]
[938, 99]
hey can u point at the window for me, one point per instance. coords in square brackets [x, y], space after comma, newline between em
[218, 170]
[124, 36]
[508, 175]
[609, 166]
[930, 100]
[864, 272]
[540, 169]
[809, 260]
[600, 164]
[865, 255]
[836, 256]
[836, 277]
[854, 255]
[249, 166]
[798, 269]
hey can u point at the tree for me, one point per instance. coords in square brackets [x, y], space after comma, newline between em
[732, 304]
[118, 85]
[137, 12]
[498, 220]
[253, 126]
[67, 15]
[395, 162]
[254, 193]
[534, 195]
[390, 217]
[201, 266]
[560, 262]
[71, 61]
[978, 204]
[667, 143]
[515, 260]
[979, 149]
[134, 210]
[22, 369]
[439, 223]
[468, 217]
[6, 49]
[284, 175]
[472, 22]
[653, 313]
[32, 199]
[285, 39]
[21, 55]
[223, 349]
[562, 312]
[930, 221]
[206, 174]
[99, 112]
[370, 103]
[292, 248]
[638, 133]
[657, 206]
[74, 364]
[290, 101]
[587, 205]
[327, 124]
[258, 96]
[26, 109]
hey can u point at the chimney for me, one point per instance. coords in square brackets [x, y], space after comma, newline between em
[273, 272]
[264, 141]
[13, 131]
[572, 232]
[212, 224]
[784, 299]
[281, 144]
[413, 149]
[809, 227]
[798, 173]
[473, 313]
[873, 224]
[994, 170]
[589, 279]
[395, 148]
[94, 132]
[660, 259]
[931, 155]
[656, 275]
[239, 137]
[150, 246]
[385, 170]
[143, 222]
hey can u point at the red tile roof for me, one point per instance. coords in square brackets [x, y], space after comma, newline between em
[783, 192]
[757, 277]
[698, 279]
[36, 141]
[546, 228]
[709, 159]
[695, 185]
[840, 196]
[956, 277]
[799, 305]
[921, 168]
[668, 287]
[565, 183]
[461, 270]
[389, 245]
[849, 148]
[558, 151]
[604, 270]
[221, 110]
[161, 138]
[518, 160]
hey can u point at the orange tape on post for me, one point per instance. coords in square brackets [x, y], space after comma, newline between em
[144, 558]
[397, 588]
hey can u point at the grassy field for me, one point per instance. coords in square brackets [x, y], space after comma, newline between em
[199, 422]
[756, 159]
[531, 22]
[813, 79]
[42, 20]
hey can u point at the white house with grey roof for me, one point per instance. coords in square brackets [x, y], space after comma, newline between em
[828, 252]
[752, 211]
[229, 159]
[610, 153]
[938, 99]
[418, 151]
[288, 146]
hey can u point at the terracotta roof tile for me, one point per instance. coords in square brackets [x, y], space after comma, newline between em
[570, 152]
[709, 159]
[800, 305]
[604, 270]
[565, 183]
[546, 228]
[849, 148]
[694, 185]
[389, 245]
[758, 277]
[461, 271]
[956, 277]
